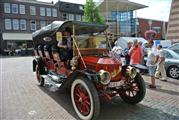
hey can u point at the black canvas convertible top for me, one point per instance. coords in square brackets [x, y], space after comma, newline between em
[80, 28]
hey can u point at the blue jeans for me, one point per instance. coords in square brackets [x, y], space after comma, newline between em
[152, 70]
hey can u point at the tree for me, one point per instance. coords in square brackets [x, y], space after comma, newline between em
[91, 13]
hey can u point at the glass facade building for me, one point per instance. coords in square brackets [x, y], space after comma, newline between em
[125, 21]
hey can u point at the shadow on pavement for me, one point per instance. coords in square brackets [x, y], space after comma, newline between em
[114, 110]
[118, 110]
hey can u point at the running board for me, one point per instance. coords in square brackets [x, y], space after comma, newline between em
[50, 81]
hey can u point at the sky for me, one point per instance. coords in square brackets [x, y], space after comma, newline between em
[157, 9]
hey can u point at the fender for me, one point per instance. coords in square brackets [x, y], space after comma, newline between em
[94, 77]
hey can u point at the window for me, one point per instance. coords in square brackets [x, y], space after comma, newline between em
[64, 16]
[49, 12]
[70, 17]
[167, 54]
[42, 24]
[54, 12]
[32, 10]
[8, 24]
[42, 11]
[22, 9]
[78, 17]
[7, 8]
[81, 7]
[157, 29]
[23, 24]
[15, 8]
[32, 25]
[15, 24]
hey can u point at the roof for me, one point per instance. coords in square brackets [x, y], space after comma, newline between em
[80, 28]
[118, 5]
[70, 7]
[36, 2]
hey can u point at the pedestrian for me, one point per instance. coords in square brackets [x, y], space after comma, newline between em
[135, 53]
[152, 59]
[126, 53]
[161, 64]
[117, 51]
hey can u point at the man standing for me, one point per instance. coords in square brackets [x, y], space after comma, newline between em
[126, 53]
[135, 53]
[161, 64]
[152, 59]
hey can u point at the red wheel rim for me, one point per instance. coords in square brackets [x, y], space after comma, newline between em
[38, 74]
[82, 100]
[134, 89]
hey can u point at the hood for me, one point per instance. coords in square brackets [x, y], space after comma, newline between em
[111, 65]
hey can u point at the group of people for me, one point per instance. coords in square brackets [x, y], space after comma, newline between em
[135, 53]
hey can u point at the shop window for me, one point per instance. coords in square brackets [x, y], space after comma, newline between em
[157, 29]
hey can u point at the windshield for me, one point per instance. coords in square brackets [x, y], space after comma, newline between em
[91, 42]
[171, 53]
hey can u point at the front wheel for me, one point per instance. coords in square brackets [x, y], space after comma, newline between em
[40, 79]
[85, 99]
[135, 91]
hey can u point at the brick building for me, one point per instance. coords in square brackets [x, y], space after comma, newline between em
[173, 25]
[70, 11]
[146, 24]
[22, 17]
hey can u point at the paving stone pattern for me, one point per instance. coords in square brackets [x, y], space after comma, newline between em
[22, 99]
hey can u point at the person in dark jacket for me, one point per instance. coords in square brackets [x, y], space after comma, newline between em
[126, 53]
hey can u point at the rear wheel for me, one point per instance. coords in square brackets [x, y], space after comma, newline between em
[173, 71]
[135, 91]
[85, 99]
[40, 79]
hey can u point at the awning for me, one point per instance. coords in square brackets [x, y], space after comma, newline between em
[120, 5]
[17, 36]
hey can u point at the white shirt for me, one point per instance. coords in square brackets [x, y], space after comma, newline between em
[151, 57]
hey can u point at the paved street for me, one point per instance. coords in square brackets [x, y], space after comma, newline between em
[22, 98]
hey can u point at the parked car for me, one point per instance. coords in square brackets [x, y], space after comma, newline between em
[91, 74]
[175, 47]
[172, 63]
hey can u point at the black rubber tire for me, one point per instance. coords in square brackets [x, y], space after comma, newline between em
[139, 95]
[168, 72]
[40, 80]
[93, 95]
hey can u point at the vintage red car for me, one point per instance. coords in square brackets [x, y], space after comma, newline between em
[91, 73]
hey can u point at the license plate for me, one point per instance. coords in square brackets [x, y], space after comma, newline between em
[115, 84]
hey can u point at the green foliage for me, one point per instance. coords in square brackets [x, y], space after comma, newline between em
[91, 13]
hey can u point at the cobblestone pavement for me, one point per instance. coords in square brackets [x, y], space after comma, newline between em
[21, 98]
